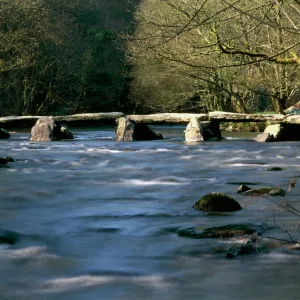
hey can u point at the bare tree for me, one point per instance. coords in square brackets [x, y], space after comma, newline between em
[243, 47]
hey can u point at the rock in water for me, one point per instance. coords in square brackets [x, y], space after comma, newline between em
[4, 134]
[129, 131]
[217, 202]
[264, 137]
[5, 160]
[264, 191]
[125, 130]
[194, 131]
[46, 130]
[225, 231]
[66, 134]
[42, 131]
[243, 188]
[143, 132]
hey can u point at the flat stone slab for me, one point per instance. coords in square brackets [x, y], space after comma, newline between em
[90, 119]
[172, 118]
[18, 122]
[292, 119]
[222, 116]
[110, 118]
[77, 120]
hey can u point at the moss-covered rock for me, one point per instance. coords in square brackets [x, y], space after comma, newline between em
[243, 188]
[217, 202]
[272, 169]
[265, 191]
[229, 230]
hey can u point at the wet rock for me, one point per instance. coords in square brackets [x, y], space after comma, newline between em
[249, 246]
[47, 129]
[243, 188]
[211, 131]
[226, 231]
[217, 202]
[271, 169]
[9, 237]
[4, 134]
[125, 130]
[194, 131]
[295, 246]
[264, 137]
[275, 131]
[66, 134]
[5, 160]
[42, 131]
[143, 132]
[129, 131]
[265, 191]
[280, 132]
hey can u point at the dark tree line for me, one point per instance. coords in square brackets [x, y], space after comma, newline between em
[62, 56]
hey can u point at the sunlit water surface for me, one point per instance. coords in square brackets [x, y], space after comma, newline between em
[99, 219]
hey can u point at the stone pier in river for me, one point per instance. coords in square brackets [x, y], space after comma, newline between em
[210, 120]
[98, 119]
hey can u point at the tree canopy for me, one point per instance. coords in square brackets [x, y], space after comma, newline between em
[59, 56]
[215, 54]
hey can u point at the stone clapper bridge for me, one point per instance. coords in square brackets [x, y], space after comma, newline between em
[288, 123]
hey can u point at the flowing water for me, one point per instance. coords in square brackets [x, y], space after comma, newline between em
[98, 219]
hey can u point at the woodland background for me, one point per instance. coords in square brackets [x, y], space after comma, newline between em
[74, 56]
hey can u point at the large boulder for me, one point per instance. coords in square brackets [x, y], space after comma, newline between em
[217, 202]
[125, 130]
[45, 130]
[194, 131]
[129, 131]
[280, 132]
[4, 134]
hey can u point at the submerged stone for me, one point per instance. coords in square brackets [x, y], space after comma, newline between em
[217, 202]
[249, 246]
[226, 231]
[272, 169]
[243, 188]
[265, 191]
[8, 237]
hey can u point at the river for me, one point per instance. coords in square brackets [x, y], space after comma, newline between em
[98, 219]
